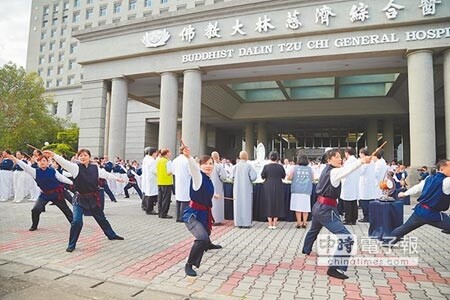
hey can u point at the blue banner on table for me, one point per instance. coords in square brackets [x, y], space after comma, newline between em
[384, 217]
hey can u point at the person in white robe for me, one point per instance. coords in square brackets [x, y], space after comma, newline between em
[20, 180]
[218, 176]
[381, 169]
[149, 186]
[244, 175]
[367, 185]
[180, 168]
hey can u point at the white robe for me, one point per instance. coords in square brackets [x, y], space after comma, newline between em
[149, 186]
[180, 168]
[243, 174]
[218, 176]
[350, 184]
[6, 185]
[367, 182]
[381, 169]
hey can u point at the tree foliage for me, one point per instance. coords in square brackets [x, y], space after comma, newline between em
[67, 142]
[24, 117]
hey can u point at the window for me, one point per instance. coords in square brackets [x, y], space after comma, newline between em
[46, 10]
[61, 57]
[50, 71]
[102, 11]
[89, 1]
[54, 106]
[39, 71]
[43, 35]
[73, 48]
[51, 58]
[63, 30]
[53, 33]
[47, 85]
[44, 23]
[72, 64]
[41, 61]
[62, 43]
[74, 29]
[76, 17]
[89, 13]
[69, 107]
[42, 48]
[71, 80]
[64, 19]
[60, 70]
[51, 46]
[66, 5]
[55, 8]
[54, 21]
[58, 82]
[164, 1]
[117, 7]
[76, 3]
[132, 5]
[147, 3]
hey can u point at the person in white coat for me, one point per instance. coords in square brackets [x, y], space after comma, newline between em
[349, 189]
[180, 168]
[218, 176]
[367, 184]
[149, 186]
[244, 175]
[381, 169]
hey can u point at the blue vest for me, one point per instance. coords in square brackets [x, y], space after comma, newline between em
[108, 166]
[46, 179]
[87, 180]
[7, 164]
[433, 197]
[324, 187]
[302, 180]
[17, 167]
[205, 193]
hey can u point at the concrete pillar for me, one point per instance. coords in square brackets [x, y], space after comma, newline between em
[406, 145]
[118, 118]
[446, 66]
[107, 120]
[372, 135]
[262, 134]
[249, 143]
[168, 112]
[388, 135]
[92, 117]
[192, 101]
[203, 137]
[421, 108]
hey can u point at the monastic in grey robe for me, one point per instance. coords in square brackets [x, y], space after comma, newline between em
[243, 175]
[218, 176]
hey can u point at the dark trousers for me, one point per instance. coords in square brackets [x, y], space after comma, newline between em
[365, 208]
[164, 195]
[129, 186]
[328, 217]
[340, 207]
[67, 195]
[149, 202]
[201, 242]
[415, 222]
[351, 211]
[181, 206]
[39, 207]
[109, 193]
[77, 224]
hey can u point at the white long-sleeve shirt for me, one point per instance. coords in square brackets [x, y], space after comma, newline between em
[336, 174]
[419, 187]
[74, 169]
[32, 172]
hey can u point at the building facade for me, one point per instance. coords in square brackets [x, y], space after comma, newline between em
[289, 74]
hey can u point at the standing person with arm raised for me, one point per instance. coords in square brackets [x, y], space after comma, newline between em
[197, 216]
[86, 198]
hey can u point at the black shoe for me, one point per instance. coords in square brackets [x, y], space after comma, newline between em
[166, 217]
[69, 249]
[353, 223]
[333, 272]
[117, 237]
[214, 247]
[32, 228]
[179, 221]
[445, 231]
[363, 221]
[127, 197]
[113, 200]
[153, 213]
[189, 271]
[306, 253]
[303, 226]
[298, 226]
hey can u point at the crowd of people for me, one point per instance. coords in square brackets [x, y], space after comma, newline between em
[197, 184]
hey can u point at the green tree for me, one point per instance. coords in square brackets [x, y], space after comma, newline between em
[24, 117]
[67, 142]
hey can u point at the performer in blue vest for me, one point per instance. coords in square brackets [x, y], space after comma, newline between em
[432, 203]
[197, 216]
[51, 184]
[324, 212]
[86, 175]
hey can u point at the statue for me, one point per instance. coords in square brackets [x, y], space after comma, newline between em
[259, 163]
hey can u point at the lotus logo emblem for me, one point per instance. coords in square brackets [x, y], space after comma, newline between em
[155, 38]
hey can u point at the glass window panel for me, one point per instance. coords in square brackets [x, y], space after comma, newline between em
[309, 82]
[317, 92]
[362, 90]
[254, 85]
[367, 78]
[264, 95]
